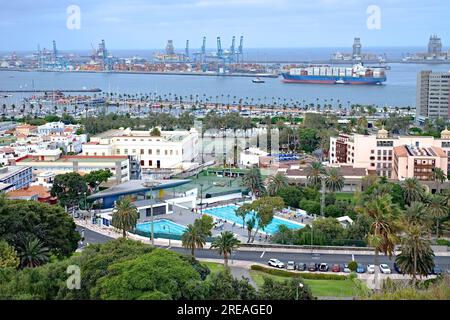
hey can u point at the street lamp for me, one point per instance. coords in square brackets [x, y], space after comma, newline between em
[322, 199]
[201, 198]
[151, 184]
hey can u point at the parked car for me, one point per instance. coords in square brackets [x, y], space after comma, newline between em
[437, 270]
[313, 266]
[301, 266]
[336, 268]
[384, 268]
[323, 267]
[346, 268]
[276, 263]
[290, 265]
[371, 268]
[360, 268]
[397, 268]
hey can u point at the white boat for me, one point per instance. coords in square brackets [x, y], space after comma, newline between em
[258, 80]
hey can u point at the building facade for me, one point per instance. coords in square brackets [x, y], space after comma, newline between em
[170, 150]
[376, 153]
[18, 177]
[432, 99]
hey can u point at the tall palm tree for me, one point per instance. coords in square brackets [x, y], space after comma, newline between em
[225, 244]
[439, 177]
[416, 213]
[276, 182]
[437, 209]
[33, 253]
[253, 181]
[417, 256]
[413, 190]
[243, 211]
[383, 229]
[334, 180]
[125, 215]
[314, 173]
[193, 238]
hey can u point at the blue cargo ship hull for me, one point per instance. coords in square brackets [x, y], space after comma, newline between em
[288, 78]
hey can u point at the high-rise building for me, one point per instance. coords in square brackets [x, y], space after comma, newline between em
[170, 50]
[357, 47]
[434, 45]
[432, 99]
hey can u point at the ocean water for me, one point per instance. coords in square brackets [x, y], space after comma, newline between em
[398, 90]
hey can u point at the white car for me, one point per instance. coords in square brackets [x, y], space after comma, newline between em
[384, 268]
[370, 268]
[290, 265]
[276, 263]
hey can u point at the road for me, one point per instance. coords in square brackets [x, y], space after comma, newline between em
[258, 256]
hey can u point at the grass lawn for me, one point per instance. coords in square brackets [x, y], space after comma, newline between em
[213, 266]
[319, 288]
[344, 196]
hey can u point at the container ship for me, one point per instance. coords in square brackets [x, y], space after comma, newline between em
[358, 74]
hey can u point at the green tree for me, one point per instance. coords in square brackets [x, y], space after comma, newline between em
[437, 209]
[383, 230]
[438, 176]
[413, 190]
[291, 289]
[291, 195]
[193, 238]
[417, 213]
[69, 188]
[243, 211]
[334, 180]
[416, 255]
[223, 286]
[125, 215]
[158, 275]
[95, 178]
[155, 132]
[21, 220]
[8, 256]
[225, 244]
[205, 224]
[253, 181]
[308, 139]
[276, 183]
[264, 210]
[314, 173]
[33, 253]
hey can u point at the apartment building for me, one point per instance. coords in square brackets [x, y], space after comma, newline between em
[16, 177]
[170, 150]
[51, 161]
[376, 153]
[432, 99]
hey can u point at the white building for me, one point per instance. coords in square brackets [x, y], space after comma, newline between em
[433, 98]
[171, 150]
[250, 157]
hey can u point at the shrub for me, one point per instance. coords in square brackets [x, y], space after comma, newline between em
[284, 273]
[443, 242]
[353, 265]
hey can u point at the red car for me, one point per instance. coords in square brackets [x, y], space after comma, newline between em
[336, 268]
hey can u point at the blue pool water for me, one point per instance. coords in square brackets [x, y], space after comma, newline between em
[162, 226]
[229, 213]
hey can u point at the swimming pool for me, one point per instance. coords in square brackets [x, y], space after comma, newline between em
[162, 226]
[228, 213]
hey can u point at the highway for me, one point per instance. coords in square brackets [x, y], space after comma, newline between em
[92, 237]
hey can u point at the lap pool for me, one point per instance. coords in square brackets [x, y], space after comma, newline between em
[162, 226]
[228, 213]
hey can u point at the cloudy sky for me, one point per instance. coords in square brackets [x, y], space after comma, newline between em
[147, 24]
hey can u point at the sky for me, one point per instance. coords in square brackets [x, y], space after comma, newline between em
[148, 24]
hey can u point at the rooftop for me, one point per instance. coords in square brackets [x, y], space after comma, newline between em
[40, 191]
[171, 136]
[34, 158]
[6, 172]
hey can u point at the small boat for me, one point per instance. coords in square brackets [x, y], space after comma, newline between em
[258, 80]
[340, 81]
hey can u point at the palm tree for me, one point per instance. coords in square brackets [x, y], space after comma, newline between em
[334, 180]
[193, 238]
[243, 211]
[314, 173]
[253, 181]
[413, 190]
[225, 244]
[383, 229]
[275, 183]
[439, 177]
[437, 209]
[33, 253]
[416, 255]
[125, 215]
[416, 213]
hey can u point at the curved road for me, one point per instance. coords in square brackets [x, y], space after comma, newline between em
[263, 257]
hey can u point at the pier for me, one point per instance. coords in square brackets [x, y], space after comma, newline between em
[52, 90]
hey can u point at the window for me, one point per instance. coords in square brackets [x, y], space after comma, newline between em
[158, 151]
[150, 163]
[171, 152]
[118, 151]
[142, 151]
[125, 151]
[149, 151]
[142, 162]
[134, 151]
[165, 152]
